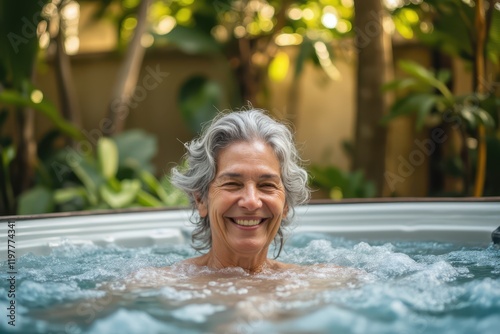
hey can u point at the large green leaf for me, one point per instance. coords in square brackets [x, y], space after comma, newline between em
[14, 98]
[148, 200]
[405, 84]
[122, 198]
[136, 148]
[35, 201]
[153, 185]
[478, 109]
[199, 99]
[192, 41]
[419, 103]
[68, 194]
[107, 157]
[491, 104]
[468, 116]
[421, 73]
[18, 40]
[90, 176]
[483, 117]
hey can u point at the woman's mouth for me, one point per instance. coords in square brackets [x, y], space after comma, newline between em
[247, 222]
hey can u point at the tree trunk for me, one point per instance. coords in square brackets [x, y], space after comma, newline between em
[251, 76]
[480, 85]
[128, 75]
[18, 20]
[65, 83]
[374, 69]
[24, 164]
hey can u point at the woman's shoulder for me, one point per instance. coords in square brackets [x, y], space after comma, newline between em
[197, 261]
[277, 265]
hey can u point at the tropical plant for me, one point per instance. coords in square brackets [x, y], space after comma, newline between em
[426, 95]
[119, 175]
[340, 184]
[465, 29]
[450, 26]
[20, 100]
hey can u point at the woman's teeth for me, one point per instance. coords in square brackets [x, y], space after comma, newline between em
[251, 222]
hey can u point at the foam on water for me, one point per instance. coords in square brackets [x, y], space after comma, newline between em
[342, 286]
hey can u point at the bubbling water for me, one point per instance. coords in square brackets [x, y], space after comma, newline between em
[340, 285]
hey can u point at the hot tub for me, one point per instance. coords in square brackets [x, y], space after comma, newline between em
[425, 266]
[457, 221]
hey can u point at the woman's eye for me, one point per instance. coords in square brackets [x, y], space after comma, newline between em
[230, 184]
[268, 185]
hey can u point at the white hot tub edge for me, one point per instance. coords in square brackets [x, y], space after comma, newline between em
[470, 222]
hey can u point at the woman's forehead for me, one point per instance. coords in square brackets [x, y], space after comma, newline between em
[255, 152]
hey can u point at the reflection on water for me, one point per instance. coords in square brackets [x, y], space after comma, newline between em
[380, 287]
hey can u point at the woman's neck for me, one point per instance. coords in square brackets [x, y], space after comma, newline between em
[254, 263]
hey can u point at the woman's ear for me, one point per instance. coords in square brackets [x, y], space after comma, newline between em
[201, 205]
[285, 211]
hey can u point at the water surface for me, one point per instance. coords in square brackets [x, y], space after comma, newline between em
[342, 286]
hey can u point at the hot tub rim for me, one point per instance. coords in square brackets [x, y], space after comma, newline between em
[348, 201]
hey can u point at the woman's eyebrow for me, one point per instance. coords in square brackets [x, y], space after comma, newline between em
[231, 175]
[270, 176]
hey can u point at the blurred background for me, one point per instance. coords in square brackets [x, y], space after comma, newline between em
[387, 98]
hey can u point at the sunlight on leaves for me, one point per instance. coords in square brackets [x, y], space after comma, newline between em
[279, 66]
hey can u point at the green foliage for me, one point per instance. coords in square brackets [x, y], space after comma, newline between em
[191, 41]
[448, 26]
[340, 184]
[7, 155]
[18, 41]
[116, 177]
[492, 184]
[37, 200]
[136, 149]
[424, 93]
[198, 100]
[19, 45]
[244, 32]
[17, 99]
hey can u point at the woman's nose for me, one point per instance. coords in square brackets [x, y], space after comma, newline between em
[250, 199]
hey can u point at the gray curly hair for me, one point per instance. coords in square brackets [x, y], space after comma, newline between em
[225, 129]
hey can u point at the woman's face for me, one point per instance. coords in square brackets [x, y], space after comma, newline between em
[246, 199]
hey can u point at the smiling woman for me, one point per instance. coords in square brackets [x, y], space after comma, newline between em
[243, 179]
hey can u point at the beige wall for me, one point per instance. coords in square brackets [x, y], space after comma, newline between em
[325, 111]
[406, 172]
